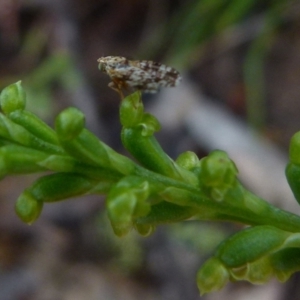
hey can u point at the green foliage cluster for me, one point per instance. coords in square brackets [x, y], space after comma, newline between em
[154, 191]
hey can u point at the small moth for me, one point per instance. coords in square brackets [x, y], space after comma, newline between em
[144, 75]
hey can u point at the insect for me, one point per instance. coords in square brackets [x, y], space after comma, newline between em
[144, 75]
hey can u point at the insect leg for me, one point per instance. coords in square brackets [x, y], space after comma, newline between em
[116, 87]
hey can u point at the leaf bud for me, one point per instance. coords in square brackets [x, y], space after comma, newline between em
[69, 123]
[12, 98]
[212, 276]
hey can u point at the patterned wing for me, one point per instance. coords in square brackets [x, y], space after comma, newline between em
[144, 75]
[163, 75]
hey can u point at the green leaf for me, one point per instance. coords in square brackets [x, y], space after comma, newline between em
[294, 151]
[250, 244]
[15, 159]
[292, 173]
[69, 123]
[34, 125]
[286, 262]
[12, 98]
[28, 208]
[131, 110]
[212, 276]
[126, 201]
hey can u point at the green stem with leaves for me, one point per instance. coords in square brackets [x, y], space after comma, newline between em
[153, 191]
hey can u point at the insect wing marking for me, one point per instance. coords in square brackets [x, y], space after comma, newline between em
[144, 75]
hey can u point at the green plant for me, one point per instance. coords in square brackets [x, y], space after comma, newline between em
[158, 190]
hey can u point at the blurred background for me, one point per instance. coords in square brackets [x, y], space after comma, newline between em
[240, 62]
